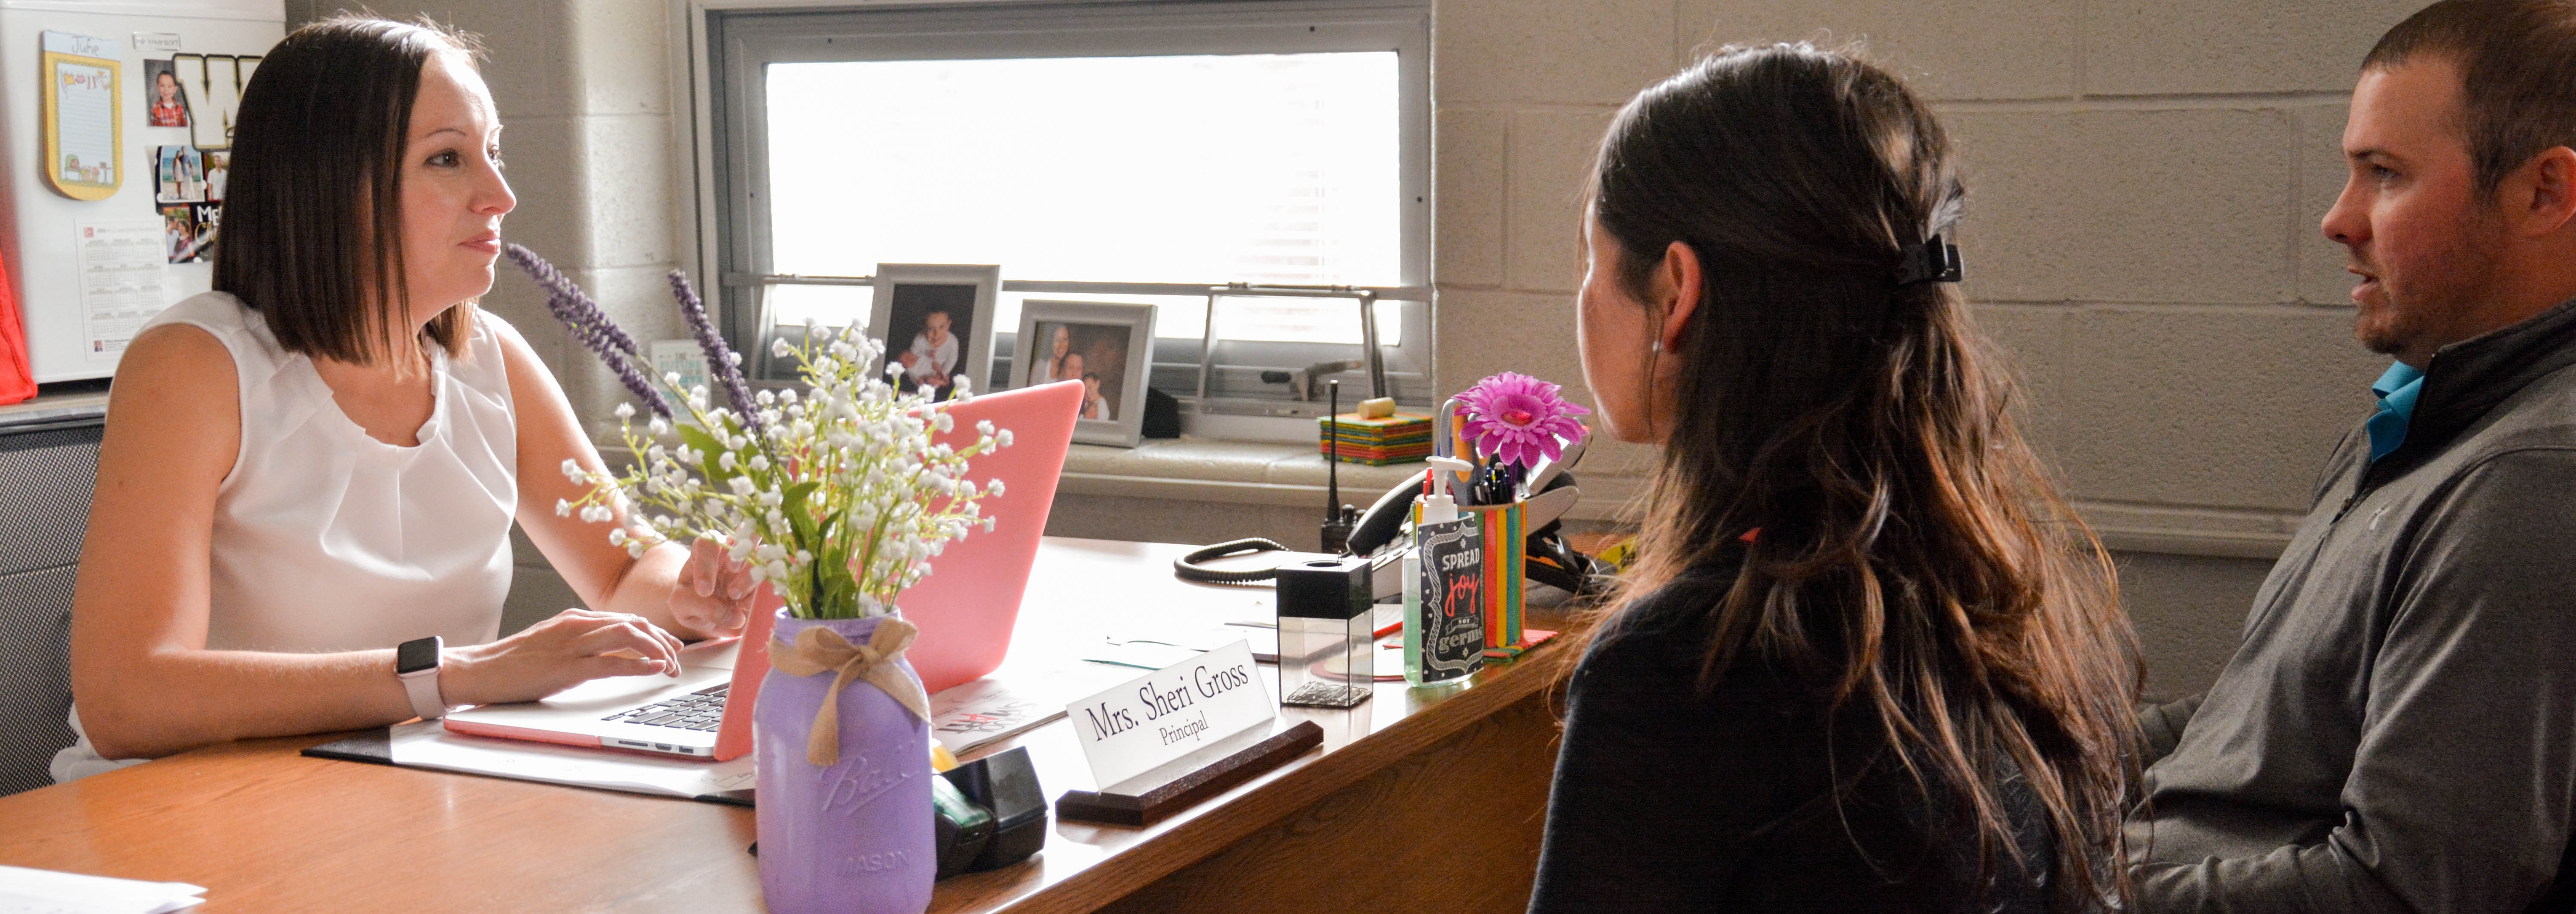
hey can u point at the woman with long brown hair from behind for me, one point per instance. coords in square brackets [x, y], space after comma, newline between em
[1870, 661]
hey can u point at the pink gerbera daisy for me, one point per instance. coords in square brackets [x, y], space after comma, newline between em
[1519, 419]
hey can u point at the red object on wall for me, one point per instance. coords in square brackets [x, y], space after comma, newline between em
[16, 381]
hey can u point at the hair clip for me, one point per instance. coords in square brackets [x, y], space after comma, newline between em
[1935, 260]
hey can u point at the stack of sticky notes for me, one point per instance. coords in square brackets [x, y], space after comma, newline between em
[1376, 434]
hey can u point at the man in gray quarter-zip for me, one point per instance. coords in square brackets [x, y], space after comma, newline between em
[2397, 731]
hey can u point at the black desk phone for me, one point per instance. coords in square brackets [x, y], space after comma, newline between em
[1552, 560]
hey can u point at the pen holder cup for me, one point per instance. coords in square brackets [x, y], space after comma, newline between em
[1506, 551]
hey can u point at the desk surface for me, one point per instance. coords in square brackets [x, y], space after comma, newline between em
[268, 830]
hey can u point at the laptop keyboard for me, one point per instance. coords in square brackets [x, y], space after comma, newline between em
[699, 710]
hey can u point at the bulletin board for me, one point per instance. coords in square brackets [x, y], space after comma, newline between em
[82, 119]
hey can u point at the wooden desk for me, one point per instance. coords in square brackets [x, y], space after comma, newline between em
[1355, 826]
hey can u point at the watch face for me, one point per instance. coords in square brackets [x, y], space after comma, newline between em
[416, 655]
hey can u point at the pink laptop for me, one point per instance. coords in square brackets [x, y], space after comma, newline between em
[965, 609]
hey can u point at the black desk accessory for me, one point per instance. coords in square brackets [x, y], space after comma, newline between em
[1156, 795]
[376, 747]
[1006, 784]
[960, 828]
[1338, 518]
[991, 813]
[1327, 632]
[1162, 414]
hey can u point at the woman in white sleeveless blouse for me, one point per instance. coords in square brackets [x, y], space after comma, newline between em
[323, 459]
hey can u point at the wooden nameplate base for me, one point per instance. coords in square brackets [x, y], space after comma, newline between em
[1157, 802]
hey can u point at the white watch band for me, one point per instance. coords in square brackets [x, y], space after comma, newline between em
[423, 687]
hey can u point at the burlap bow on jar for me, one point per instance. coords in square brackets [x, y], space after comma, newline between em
[821, 649]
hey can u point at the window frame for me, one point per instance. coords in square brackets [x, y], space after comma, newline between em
[731, 41]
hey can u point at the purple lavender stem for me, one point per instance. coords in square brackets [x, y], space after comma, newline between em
[587, 322]
[720, 363]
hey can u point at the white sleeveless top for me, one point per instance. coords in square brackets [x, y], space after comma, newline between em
[328, 540]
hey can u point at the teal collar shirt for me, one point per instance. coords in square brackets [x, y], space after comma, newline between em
[2397, 389]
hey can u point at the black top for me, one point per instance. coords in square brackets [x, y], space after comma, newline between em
[1669, 797]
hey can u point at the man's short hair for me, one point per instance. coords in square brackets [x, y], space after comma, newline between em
[2517, 62]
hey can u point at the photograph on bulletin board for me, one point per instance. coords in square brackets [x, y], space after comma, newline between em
[219, 166]
[188, 230]
[180, 175]
[169, 99]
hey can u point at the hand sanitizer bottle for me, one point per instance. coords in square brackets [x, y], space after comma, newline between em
[1436, 533]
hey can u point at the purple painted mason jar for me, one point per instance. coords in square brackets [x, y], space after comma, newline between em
[855, 837]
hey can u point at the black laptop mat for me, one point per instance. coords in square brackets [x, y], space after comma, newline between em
[376, 747]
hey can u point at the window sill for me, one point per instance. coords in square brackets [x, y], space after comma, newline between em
[1264, 473]
[1225, 472]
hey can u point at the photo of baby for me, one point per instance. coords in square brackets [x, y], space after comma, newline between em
[926, 333]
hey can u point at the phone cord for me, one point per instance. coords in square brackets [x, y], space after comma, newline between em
[1187, 567]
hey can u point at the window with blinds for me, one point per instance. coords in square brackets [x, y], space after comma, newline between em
[1132, 152]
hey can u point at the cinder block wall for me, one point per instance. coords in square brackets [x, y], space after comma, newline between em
[2145, 179]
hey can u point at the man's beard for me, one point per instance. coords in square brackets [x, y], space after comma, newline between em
[2440, 290]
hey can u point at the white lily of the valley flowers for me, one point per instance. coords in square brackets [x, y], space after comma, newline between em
[843, 477]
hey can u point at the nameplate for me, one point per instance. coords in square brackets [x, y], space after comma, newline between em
[1179, 709]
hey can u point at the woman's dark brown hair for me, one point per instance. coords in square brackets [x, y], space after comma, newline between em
[1912, 558]
[312, 220]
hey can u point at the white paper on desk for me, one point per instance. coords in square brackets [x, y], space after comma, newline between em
[967, 716]
[1202, 639]
[426, 744]
[26, 891]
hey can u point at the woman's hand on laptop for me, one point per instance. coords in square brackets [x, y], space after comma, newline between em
[575, 646]
[714, 594]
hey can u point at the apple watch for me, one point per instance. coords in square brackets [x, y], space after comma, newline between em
[416, 664]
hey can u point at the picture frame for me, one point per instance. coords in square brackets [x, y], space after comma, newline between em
[1116, 345]
[901, 315]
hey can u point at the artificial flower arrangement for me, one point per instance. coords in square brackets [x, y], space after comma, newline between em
[1514, 419]
[838, 498]
[1508, 421]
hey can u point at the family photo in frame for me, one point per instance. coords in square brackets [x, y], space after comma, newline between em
[1106, 347]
